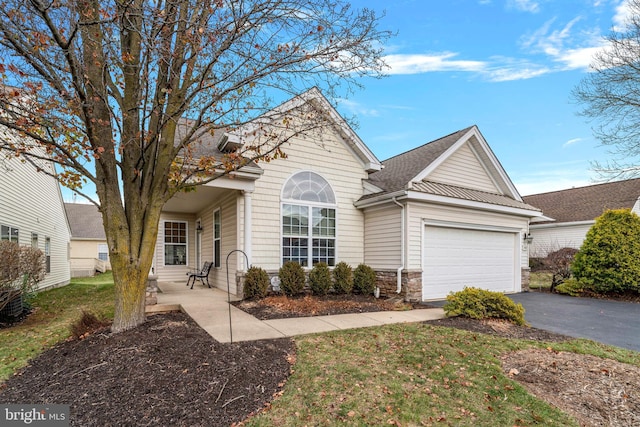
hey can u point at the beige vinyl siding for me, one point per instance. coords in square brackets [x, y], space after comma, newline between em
[549, 239]
[228, 239]
[172, 273]
[83, 255]
[31, 202]
[463, 169]
[418, 212]
[382, 237]
[334, 162]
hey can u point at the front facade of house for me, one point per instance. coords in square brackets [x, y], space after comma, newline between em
[569, 214]
[429, 221]
[32, 214]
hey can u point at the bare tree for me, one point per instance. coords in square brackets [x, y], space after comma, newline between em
[104, 87]
[610, 95]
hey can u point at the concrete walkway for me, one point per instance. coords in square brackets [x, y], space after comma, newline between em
[209, 309]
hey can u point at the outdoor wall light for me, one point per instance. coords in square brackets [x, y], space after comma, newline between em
[199, 228]
[528, 238]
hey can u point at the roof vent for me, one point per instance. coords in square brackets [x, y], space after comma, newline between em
[229, 143]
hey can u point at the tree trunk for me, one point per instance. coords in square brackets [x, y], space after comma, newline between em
[130, 292]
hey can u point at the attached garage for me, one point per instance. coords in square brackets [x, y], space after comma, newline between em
[455, 257]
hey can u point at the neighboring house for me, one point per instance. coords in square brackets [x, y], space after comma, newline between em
[32, 214]
[568, 214]
[433, 220]
[89, 252]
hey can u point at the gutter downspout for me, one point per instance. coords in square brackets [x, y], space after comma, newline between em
[402, 260]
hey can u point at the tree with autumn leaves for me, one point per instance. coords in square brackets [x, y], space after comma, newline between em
[119, 93]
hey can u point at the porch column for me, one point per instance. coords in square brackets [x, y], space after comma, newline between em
[247, 223]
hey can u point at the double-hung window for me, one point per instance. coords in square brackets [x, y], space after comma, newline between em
[217, 233]
[103, 252]
[175, 243]
[9, 233]
[308, 220]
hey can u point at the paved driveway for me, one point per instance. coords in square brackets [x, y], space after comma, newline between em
[609, 322]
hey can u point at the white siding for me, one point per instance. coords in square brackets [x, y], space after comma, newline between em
[549, 239]
[382, 237]
[463, 169]
[335, 163]
[417, 212]
[31, 201]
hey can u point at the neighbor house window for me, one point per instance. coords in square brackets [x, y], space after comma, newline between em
[308, 220]
[34, 240]
[47, 254]
[175, 243]
[217, 233]
[9, 233]
[103, 252]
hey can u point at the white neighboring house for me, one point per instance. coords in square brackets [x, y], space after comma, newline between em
[429, 221]
[32, 214]
[89, 252]
[569, 214]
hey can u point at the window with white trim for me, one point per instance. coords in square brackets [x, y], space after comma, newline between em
[308, 220]
[103, 252]
[47, 254]
[9, 233]
[217, 240]
[175, 243]
[34, 240]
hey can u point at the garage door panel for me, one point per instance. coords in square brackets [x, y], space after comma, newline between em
[457, 257]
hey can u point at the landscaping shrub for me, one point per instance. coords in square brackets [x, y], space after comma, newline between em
[343, 278]
[364, 280]
[256, 283]
[608, 258]
[482, 304]
[570, 287]
[87, 324]
[291, 278]
[558, 263]
[21, 268]
[320, 279]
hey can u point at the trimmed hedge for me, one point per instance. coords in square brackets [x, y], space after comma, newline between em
[364, 280]
[292, 278]
[343, 278]
[320, 279]
[256, 283]
[482, 304]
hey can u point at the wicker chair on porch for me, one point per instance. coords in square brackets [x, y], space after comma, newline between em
[201, 275]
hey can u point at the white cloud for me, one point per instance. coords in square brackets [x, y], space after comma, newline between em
[622, 15]
[571, 142]
[424, 63]
[524, 5]
[357, 108]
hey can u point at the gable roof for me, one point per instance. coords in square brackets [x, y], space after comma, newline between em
[85, 221]
[410, 171]
[586, 203]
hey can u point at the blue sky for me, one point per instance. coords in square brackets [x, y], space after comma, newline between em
[507, 66]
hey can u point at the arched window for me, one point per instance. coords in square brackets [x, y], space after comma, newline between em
[308, 220]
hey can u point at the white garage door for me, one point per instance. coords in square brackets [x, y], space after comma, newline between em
[456, 257]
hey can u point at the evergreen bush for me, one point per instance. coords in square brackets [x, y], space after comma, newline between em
[320, 279]
[483, 304]
[364, 280]
[292, 278]
[608, 258]
[343, 278]
[256, 283]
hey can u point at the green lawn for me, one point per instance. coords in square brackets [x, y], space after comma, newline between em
[541, 279]
[413, 375]
[405, 374]
[54, 311]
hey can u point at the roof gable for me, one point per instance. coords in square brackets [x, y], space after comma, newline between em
[586, 203]
[85, 221]
[438, 161]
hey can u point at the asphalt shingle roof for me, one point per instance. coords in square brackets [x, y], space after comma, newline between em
[85, 221]
[399, 170]
[586, 203]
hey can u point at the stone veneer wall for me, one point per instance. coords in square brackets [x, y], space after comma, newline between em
[152, 290]
[387, 281]
[525, 274]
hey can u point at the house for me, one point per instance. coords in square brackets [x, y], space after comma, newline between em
[32, 214]
[433, 220]
[88, 252]
[569, 214]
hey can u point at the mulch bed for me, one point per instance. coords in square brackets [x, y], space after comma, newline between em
[167, 372]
